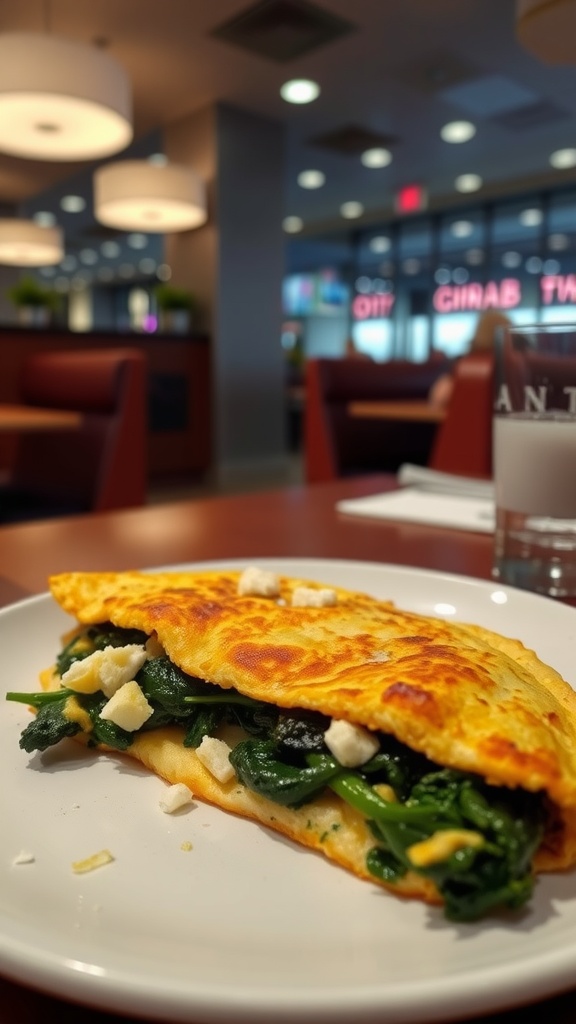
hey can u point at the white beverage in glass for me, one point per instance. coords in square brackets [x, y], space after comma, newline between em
[535, 474]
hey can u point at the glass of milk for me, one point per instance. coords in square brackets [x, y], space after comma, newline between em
[535, 458]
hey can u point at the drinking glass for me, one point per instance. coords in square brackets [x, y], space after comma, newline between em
[535, 458]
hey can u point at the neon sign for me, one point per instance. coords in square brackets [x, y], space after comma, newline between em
[365, 307]
[505, 294]
[558, 288]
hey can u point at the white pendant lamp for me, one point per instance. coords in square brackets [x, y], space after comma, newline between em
[61, 100]
[547, 28]
[24, 243]
[137, 195]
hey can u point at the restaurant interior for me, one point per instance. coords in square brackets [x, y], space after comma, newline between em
[385, 210]
[254, 259]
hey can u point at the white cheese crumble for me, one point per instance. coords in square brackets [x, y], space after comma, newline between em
[351, 745]
[309, 597]
[24, 857]
[105, 670]
[214, 755]
[258, 582]
[127, 708]
[175, 797]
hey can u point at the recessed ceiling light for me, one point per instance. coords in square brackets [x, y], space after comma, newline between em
[88, 256]
[511, 259]
[69, 263]
[534, 265]
[300, 90]
[164, 272]
[311, 179]
[531, 217]
[462, 228]
[468, 183]
[73, 204]
[411, 266]
[380, 243]
[376, 157]
[458, 131]
[442, 275]
[147, 265]
[563, 158]
[558, 241]
[292, 225]
[45, 218]
[475, 257]
[136, 240]
[110, 249]
[351, 210]
[551, 267]
[460, 275]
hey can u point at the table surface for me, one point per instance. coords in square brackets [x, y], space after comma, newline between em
[410, 410]
[25, 418]
[298, 522]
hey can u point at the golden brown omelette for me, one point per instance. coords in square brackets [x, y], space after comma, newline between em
[438, 759]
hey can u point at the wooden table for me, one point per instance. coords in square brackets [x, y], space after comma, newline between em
[408, 411]
[293, 522]
[28, 418]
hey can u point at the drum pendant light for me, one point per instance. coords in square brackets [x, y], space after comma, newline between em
[61, 100]
[24, 243]
[137, 195]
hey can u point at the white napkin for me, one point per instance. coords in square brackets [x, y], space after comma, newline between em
[415, 506]
[438, 499]
[444, 483]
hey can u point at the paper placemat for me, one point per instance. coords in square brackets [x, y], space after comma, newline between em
[413, 505]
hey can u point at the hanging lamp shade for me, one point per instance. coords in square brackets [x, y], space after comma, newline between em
[61, 100]
[24, 243]
[547, 28]
[136, 195]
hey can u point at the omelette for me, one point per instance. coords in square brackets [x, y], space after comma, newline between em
[434, 758]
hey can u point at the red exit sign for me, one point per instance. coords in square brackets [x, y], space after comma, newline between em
[411, 199]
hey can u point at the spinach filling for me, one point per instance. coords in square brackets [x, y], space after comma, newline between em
[285, 759]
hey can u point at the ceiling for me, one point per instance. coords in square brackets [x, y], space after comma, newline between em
[398, 69]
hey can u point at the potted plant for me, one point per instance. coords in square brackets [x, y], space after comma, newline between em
[34, 301]
[175, 308]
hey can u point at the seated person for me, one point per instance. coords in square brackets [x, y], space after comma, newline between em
[482, 341]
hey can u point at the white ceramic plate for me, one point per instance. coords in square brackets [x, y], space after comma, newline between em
[247, 927]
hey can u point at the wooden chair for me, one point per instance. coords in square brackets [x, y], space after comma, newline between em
[463, 442]
[100, 466]
[336, 444]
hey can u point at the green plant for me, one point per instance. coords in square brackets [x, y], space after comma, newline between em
[29, 292]
[169, 297]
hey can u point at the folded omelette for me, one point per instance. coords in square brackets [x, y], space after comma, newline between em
[437, 759]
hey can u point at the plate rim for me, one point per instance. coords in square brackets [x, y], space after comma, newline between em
[118, 995]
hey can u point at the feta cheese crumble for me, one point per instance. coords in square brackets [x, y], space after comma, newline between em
[351, 745]
[24, 857]
[127, 708]
[258, 582]
[214, 755]
[105, 670]
[310, 597]
[175, 797]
